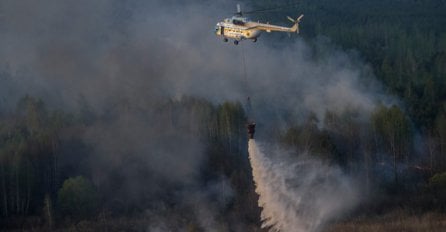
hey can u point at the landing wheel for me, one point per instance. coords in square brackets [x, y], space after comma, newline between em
[225, 40]
[254, 40]
[236, 42]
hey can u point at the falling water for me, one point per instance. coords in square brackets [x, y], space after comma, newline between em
[299, 195]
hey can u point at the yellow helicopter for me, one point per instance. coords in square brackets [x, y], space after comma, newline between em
[240, 28]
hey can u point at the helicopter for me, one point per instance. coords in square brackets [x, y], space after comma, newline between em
[240, 28]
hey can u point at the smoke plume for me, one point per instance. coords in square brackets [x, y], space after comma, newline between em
[124, 59]
[139, 51]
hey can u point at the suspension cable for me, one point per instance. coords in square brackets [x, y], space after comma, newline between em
[246, 87]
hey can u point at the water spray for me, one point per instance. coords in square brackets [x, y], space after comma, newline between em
[300, 194]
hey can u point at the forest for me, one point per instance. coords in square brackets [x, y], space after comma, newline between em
[152, 162]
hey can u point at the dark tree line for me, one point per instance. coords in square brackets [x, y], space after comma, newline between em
[47, 167]
[404, 41]
[30, 137]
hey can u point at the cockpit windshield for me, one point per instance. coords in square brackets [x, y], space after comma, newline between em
[238, 22]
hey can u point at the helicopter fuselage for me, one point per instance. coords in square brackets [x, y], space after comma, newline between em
[240, 28]
[237, 29]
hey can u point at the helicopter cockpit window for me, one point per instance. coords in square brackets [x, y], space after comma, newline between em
[237, 22]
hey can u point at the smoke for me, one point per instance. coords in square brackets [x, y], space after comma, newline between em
[299, 195]
[125, 59]
[142, 50]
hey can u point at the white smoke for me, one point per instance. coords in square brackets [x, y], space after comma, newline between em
[145, 50]
[299, 195]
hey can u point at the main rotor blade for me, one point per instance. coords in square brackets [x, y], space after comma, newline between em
[270, 9]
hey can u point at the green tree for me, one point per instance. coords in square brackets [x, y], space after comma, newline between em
[48, 211]
[394, 133]
[77, 198]
[437, 185]
[231, 125]
[308, 138]
[440, 134]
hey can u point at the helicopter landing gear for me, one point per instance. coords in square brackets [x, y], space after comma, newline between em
[254, 40]
[236, 42]
[225, 40]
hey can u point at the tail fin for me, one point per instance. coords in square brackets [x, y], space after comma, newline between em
[295, 27]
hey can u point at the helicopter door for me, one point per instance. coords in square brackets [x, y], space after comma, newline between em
[222, 30]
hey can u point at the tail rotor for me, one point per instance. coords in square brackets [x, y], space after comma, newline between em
[295, 27]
